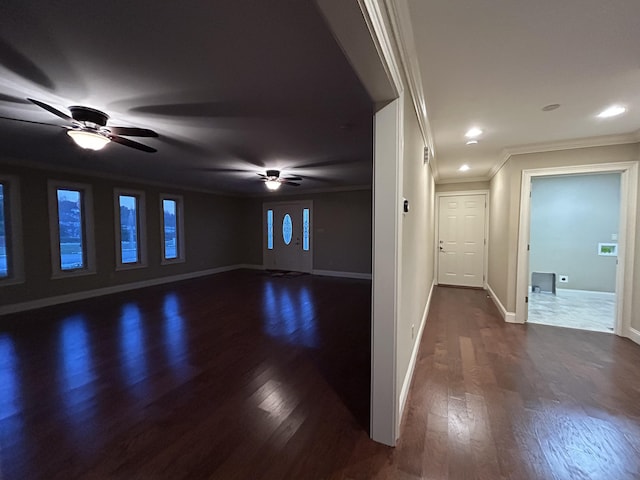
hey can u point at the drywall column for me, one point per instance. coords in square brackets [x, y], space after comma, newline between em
[386, 264]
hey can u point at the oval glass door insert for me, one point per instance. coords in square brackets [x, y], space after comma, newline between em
[287, 229]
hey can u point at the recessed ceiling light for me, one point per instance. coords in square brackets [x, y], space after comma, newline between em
[612, 111]
[472, 142]
[464, 168]
[473, 132]
[550, 107]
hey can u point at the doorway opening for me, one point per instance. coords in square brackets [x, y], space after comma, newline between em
[625, 248]
[287, 228]
[573, 258]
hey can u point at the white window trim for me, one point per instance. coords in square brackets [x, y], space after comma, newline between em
[16, 261]
[179, 225]
[54, 233]
[142, 228]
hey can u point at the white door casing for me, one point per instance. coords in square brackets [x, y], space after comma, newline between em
[626, 238]
[287, 252]
[461, 239]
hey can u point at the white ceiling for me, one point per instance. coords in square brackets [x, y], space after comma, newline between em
[232, 87]
[495, 63]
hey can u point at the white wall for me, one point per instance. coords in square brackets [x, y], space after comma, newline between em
[570, 216]
[417, 270]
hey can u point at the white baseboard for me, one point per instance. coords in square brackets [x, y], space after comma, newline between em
[72, 297]
[509, 317]
[334, 273]
[404, 392]
[634, 335]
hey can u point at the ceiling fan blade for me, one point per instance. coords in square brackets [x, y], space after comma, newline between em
[293, 184]
[31, 121]
[130, 143]
[132, 132]
[51, 109]
[262, 175]
[291, 178]
[12, 99]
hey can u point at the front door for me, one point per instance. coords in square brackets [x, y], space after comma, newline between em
[461, 232]
[287, 233]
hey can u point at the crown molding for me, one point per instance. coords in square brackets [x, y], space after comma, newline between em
[590, 142]
[400, 20]
[444, 181]
[113, 177]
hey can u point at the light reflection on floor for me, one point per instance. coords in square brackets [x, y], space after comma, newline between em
[77, 376]
[132, 345]
[175, 335]
[290, 313]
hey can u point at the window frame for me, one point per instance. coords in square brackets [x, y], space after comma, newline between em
[180, 236]
[141, 225]
[88, 227]
[15, 254]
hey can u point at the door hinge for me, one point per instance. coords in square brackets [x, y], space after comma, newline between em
[526, 299]
[528, 247]
[485, 241]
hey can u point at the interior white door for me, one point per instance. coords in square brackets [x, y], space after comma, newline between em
[288, 236]
[461, 231]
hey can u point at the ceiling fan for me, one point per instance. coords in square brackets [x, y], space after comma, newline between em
[273, 180]
[89, 129]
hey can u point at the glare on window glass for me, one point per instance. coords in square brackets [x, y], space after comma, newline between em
[170, 235]
[305, 229]
[71, 230]
[270, 229]
[287, 229]
[4, 264]
[128, 229]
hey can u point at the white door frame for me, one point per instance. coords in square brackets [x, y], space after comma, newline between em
[436, 244]
[626, 237]
[270, 205]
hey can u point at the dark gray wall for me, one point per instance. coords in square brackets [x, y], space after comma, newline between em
[213, 224]
[342, 223]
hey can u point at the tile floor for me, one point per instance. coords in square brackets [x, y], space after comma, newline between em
[574, 309]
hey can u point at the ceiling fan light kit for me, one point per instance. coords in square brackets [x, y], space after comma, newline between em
[88, 140]
[89, 129]
[272, 184]
[273, 180]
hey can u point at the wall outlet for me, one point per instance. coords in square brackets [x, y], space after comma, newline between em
[614, 236]
[563, 279]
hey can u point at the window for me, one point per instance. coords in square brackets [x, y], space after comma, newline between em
[130, 226]
[71, 224]
[270, 229]
[172, 229]
[287, 229]
[4, 230]
[10, 230]
[305, 229]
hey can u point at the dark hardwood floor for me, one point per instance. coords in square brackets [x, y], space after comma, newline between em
[247, 376]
